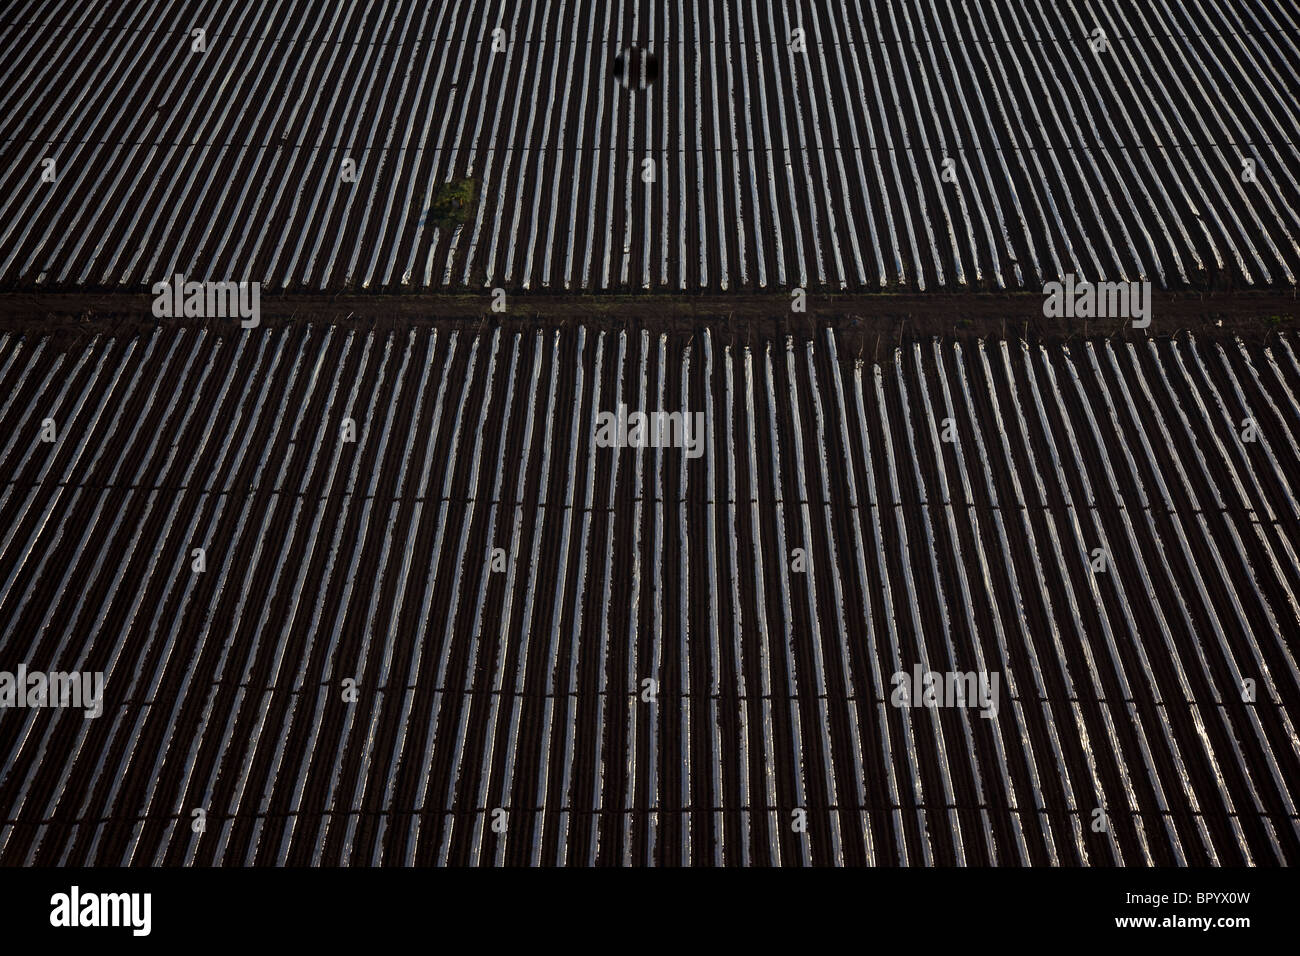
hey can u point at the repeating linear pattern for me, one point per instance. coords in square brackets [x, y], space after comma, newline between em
[519, 683]
[773, 162]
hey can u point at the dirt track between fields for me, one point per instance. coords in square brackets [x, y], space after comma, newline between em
[871, 321]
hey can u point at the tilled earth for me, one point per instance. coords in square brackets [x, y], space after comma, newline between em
[366, 589]
[669, 659]
[853, 146]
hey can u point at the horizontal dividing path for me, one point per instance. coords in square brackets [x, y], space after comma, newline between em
[849, 146]
[388, 597]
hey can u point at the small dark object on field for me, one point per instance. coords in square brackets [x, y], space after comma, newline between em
[636, 67]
